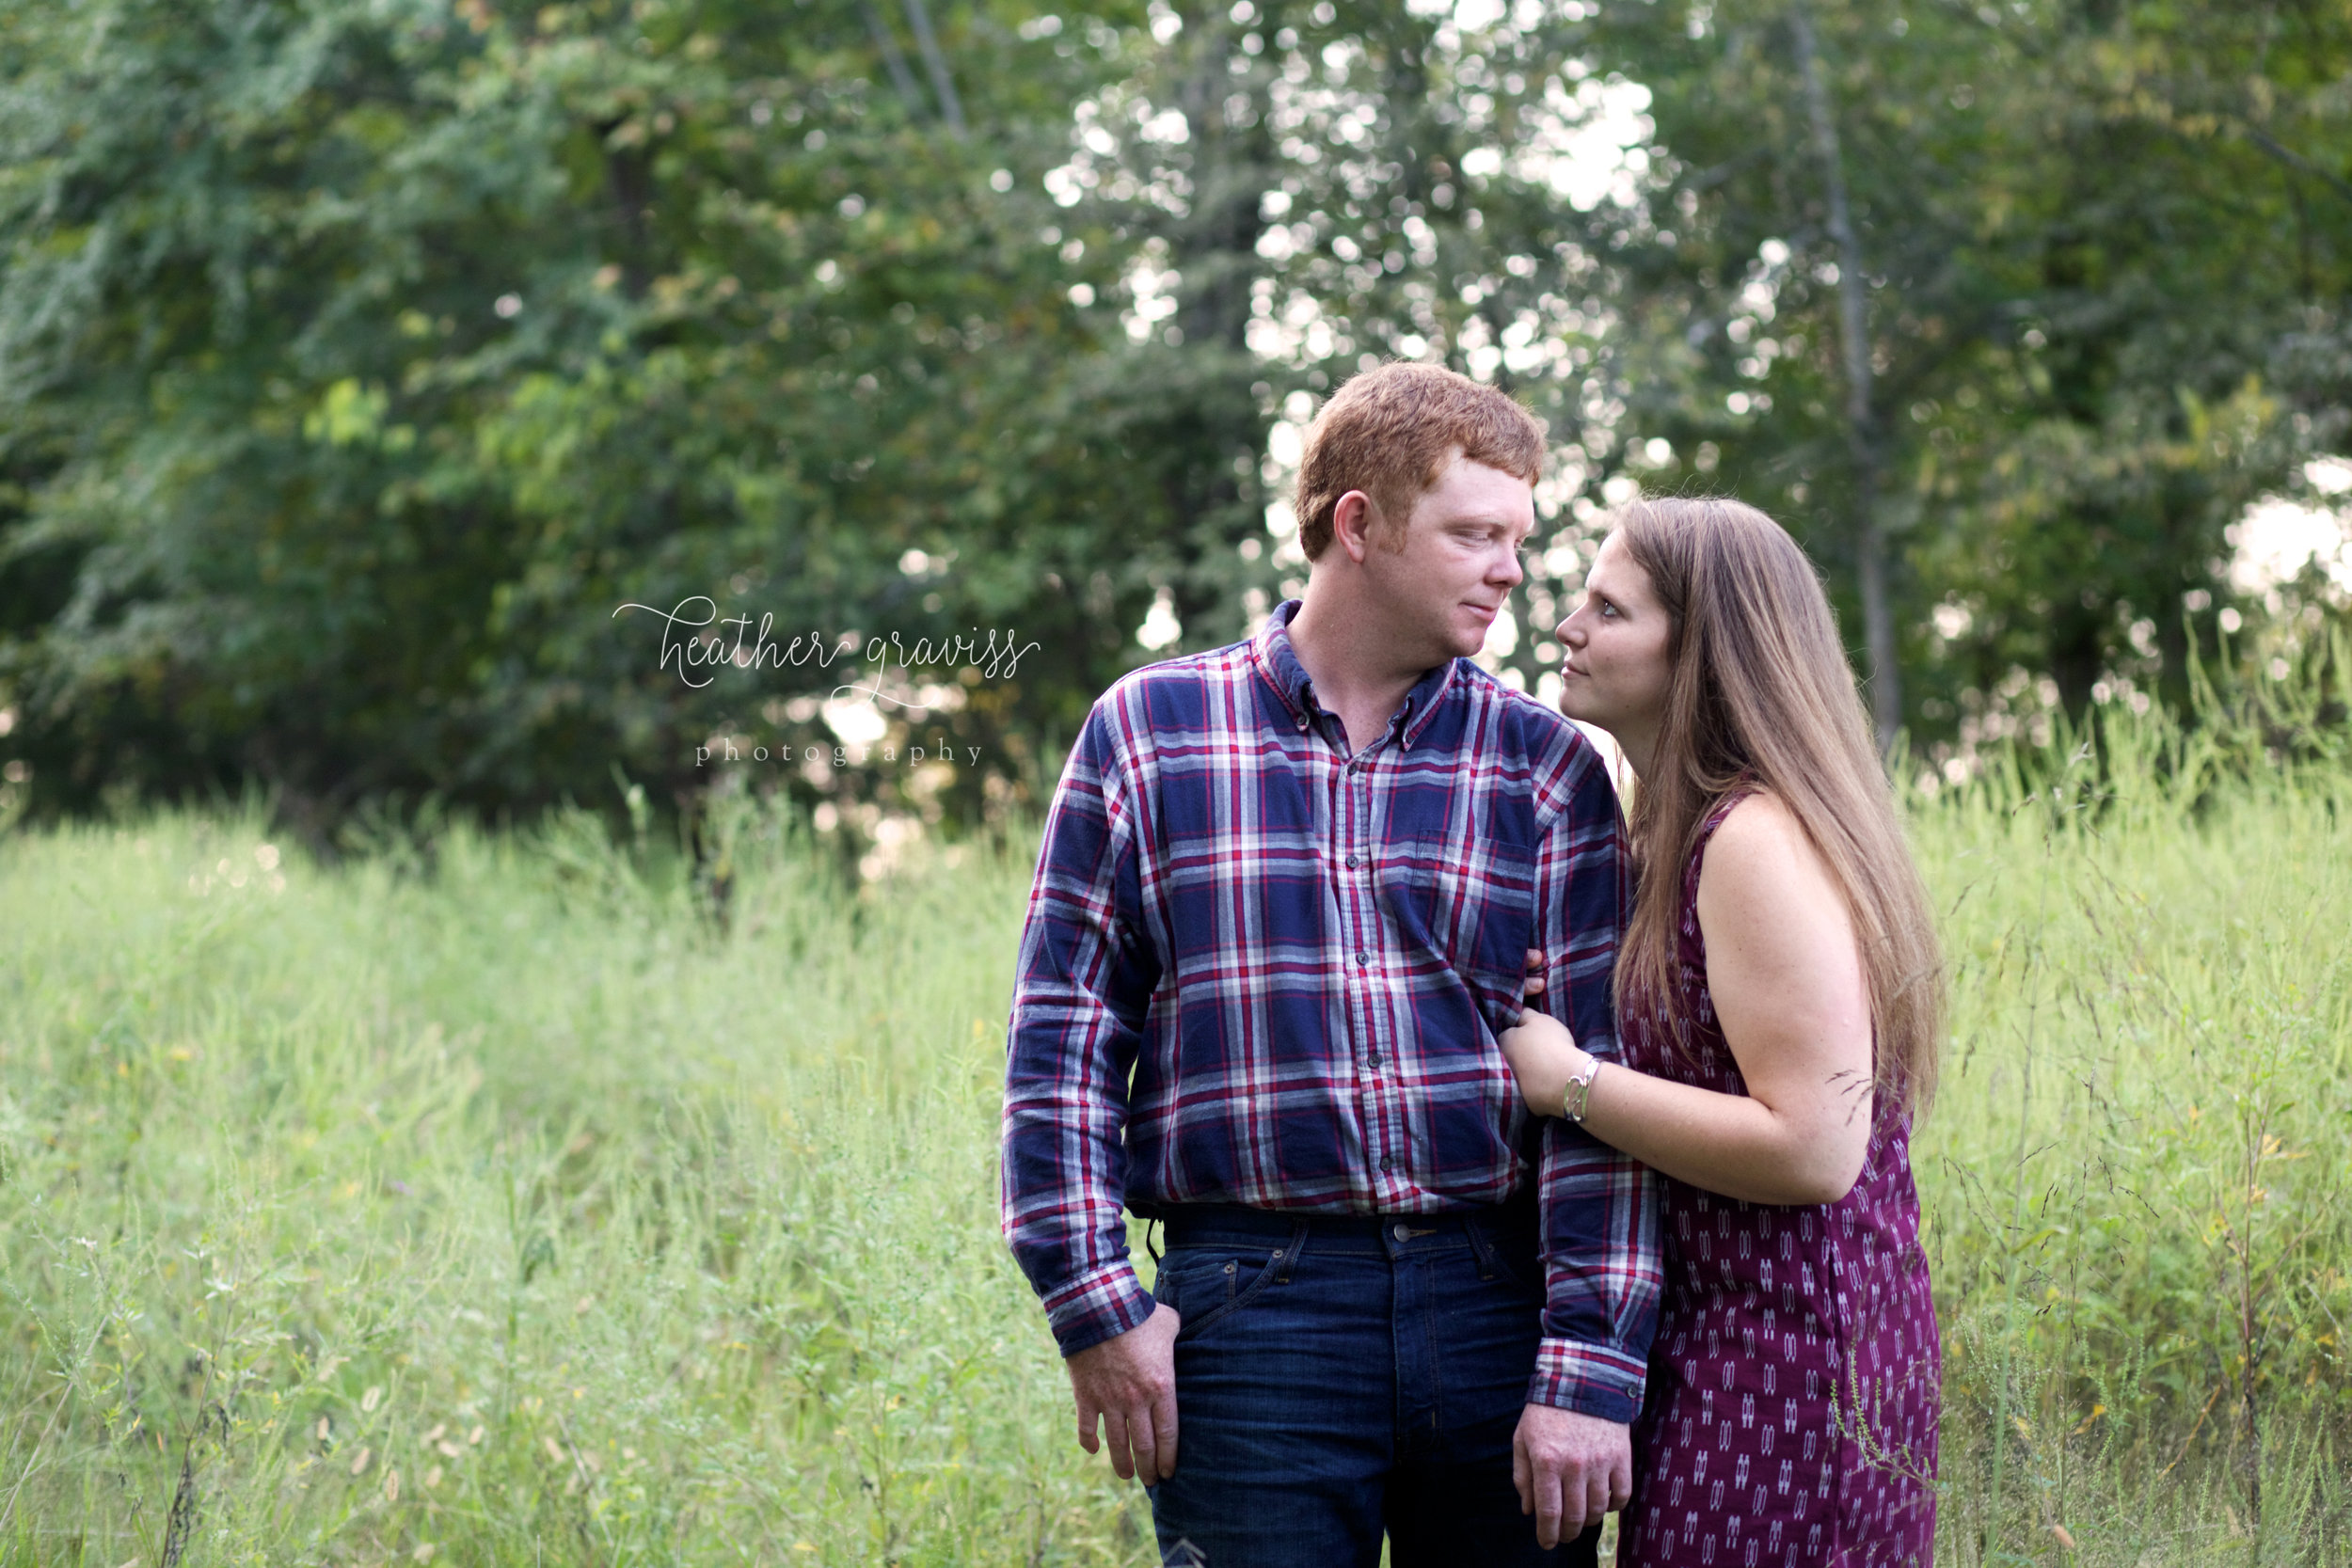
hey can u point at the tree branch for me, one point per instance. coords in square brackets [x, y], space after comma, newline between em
[2295, 161]
[951, 107]
[893, 59]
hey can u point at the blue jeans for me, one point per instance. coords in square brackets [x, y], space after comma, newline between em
[1343, 1377]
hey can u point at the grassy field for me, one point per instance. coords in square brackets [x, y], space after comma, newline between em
[489, 1200]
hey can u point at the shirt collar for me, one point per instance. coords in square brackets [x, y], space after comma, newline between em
[1278, 663]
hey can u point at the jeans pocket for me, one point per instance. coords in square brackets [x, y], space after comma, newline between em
[1209, 1285]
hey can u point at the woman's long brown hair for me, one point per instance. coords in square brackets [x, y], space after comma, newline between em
[1761, 693]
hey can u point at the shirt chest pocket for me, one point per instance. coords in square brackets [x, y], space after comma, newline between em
[1470, 904]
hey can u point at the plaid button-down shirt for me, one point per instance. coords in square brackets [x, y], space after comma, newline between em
[1258, 970]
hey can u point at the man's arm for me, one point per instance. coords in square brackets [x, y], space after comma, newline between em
[1086, 976]
[1599, 1208]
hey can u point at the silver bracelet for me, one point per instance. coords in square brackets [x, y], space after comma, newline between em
[1573, 1106]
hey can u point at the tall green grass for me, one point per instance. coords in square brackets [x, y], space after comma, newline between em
[509, 1210]
[2139, 1211]
[507, 1200]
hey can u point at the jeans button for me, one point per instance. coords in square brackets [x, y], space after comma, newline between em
[1401, 1231]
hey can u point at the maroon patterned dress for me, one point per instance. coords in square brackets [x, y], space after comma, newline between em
[1793, 1384]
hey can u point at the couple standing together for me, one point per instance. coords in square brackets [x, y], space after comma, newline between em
[1438, 1265]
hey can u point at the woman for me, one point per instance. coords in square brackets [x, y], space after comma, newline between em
[1778, 999]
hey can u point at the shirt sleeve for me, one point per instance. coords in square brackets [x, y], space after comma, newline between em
[1084, 977]
[1599, 1206]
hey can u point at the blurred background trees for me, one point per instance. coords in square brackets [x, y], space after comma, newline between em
[359, 358]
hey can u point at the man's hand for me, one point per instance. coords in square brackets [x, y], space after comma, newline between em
[1130, 1381]
[1570, 1469]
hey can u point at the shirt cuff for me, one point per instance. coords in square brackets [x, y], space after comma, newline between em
[1592, 1379]
[1098, 1307]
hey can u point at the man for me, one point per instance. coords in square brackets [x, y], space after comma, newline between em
[1281, 913]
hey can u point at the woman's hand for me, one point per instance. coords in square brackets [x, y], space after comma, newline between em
[1541, 1051]
[1545, 1056]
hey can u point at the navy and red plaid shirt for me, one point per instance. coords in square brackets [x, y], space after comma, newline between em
[1258, 970]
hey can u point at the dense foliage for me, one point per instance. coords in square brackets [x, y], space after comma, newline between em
[360, 358]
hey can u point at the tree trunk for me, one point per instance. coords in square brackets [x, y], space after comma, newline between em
[1214, 421]
[1862, 432]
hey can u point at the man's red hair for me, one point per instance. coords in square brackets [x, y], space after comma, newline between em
[1392, 432]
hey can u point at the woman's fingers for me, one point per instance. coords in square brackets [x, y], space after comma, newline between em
[1535, 982]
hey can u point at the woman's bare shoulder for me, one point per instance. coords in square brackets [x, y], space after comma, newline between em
[1758, 822]
[1761, 848]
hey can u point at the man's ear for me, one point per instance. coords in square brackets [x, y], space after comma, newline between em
[1353, 520]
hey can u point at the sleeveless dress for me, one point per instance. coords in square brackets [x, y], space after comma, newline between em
[1794, 1382]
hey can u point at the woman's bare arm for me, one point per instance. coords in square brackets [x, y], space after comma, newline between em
[1789, 991]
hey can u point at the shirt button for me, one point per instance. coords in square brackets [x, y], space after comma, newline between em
[1362, 958]
[1351, 862]
[1387, 1165]
[1376, 1058]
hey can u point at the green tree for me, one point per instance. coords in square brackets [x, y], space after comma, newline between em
[361, 360]
[1995, 295]
[357, 360]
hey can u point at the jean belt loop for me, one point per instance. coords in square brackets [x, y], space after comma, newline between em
[1481, 1243]
[1289, 1254]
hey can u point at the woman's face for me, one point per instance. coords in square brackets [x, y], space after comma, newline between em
[1616, 645]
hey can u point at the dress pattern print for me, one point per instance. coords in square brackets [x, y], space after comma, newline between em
[1791, 1418]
